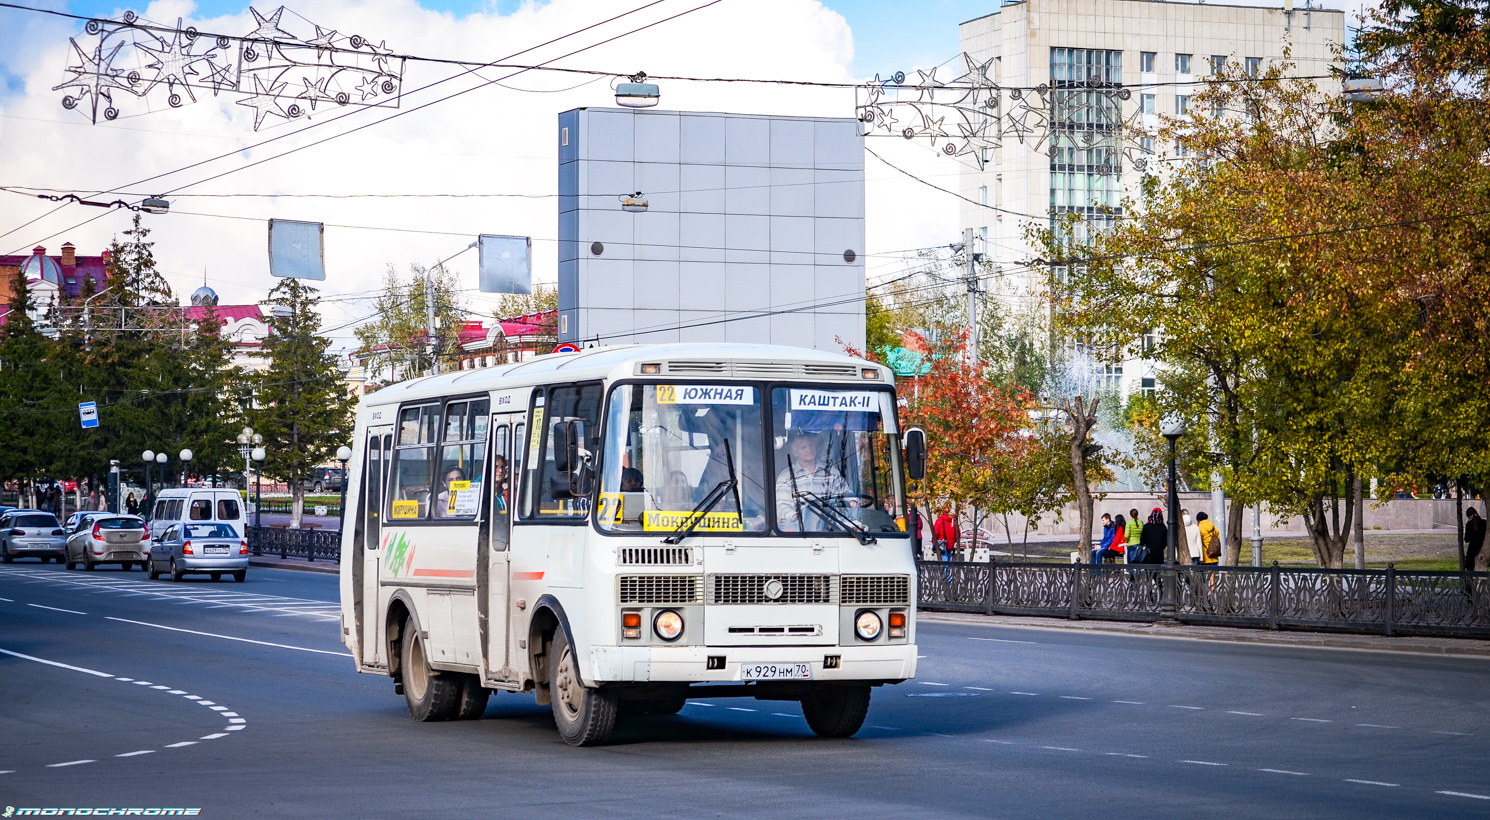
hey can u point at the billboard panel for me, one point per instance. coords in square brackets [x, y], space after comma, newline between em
[297, 250]
[506, 264]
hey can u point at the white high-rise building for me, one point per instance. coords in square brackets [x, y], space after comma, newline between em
[1072, 159]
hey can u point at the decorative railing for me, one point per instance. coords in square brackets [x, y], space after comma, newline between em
[287, 543]
[1388, 601]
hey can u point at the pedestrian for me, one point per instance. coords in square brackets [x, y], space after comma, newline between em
[1474, 539]
[945, 533]
[1134, 531]
[1189, 538]
[1109, 533]
[57, 503]
[1155, 539]
[132, 505]
[1209, 538]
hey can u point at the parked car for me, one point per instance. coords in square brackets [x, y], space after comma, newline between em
[25, 533]
[107, 539]
[326, 479]
[211, 548]
[192, 505]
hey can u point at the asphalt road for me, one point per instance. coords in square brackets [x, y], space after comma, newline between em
[239, 699]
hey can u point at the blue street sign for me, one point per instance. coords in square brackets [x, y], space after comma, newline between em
[88, 412]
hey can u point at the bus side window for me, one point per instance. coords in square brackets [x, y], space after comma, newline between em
[372, 492]
[501, 499]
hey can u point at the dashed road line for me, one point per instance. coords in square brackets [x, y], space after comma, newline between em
[59, 609]
[1313, 720]
[1285, 771]
[699, 703]
[1030, 694]
[783, 714]
[8, 600]
[978, 688]
[1205, 763]
[1371, 782]
[1248, 714]
[888, 728]
[1072, 697]
[1196, 708]
[939, 734]
[1377, 726]
[1466, 794]
[182, 743]
[1460, 734]
[930, 683]
[1004, 742]
[1001, 640]
[69, 763]
[1130, 702]
[213, 736]
[740, 709]
[1124, 754]
[1061, 748]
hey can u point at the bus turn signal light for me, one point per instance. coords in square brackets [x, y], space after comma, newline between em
[631, 623]
[897, 624]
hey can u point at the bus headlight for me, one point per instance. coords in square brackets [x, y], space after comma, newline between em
[867, 625]
[668, 625]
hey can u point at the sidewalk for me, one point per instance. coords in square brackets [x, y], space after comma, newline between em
[300, 564]
[1459, 647]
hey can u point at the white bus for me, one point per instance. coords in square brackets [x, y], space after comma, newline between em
[625, 528]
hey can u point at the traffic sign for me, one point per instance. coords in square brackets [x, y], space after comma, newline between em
[566, 347]
[88, 412]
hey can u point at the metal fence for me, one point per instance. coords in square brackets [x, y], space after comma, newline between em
[1389, 601]
[324, 545]
[284, 506]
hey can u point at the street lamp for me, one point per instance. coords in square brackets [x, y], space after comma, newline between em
[343, 454]
[258, 455]
[1167, 607]
[638, 93]
[185, 465]
[149, 458]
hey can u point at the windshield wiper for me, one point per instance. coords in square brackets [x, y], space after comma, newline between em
[729, 485]
[833, 516]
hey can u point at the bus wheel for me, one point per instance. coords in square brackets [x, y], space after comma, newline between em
[430, 696]
[584, 716]
[473, 697]
[836, 711]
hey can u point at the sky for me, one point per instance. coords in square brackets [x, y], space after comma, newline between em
[495, 142]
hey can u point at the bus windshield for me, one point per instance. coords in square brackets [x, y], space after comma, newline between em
[670, 447]
[834, 456]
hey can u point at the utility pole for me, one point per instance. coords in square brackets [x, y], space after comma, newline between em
[972, 295]
[429, 320]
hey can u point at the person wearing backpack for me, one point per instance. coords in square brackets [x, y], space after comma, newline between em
[1210, 539]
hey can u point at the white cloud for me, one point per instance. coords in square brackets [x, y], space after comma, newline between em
[492, 140]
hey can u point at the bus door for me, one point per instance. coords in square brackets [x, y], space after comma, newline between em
[367, 541]
[493, 566]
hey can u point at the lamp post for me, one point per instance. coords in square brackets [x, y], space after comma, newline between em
[1172, 431]
[343, 454]
[258, 455]
[185, 465]
[149, 458]
[160, 473]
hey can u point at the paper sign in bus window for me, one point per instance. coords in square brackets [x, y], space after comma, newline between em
[836, 401]
[666, 521]
[405, 509]
[704, 394]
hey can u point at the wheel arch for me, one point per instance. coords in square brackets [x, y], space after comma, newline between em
[549, 618]
[401, 609]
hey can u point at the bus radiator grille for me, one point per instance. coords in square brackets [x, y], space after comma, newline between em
[660, 589]
[656, 556]
[877, 589]
[752, 589]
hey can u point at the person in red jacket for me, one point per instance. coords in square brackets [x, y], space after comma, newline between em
[946, 534]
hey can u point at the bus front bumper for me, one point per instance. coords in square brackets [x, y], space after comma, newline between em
[690, 664]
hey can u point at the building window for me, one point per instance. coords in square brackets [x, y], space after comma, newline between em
[1147, 144]
[1182, 64]
[1181, 104]
[1147, 101]
[983, 195]
[1254, 66]
[1150, 341]
[983, 241]
[1218, 64]
[1148, 386]
[1146, 61]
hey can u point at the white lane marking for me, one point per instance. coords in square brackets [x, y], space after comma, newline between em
[176, 692]
[182, 743]
[1061, 748]
[1124, 754]
[230, 714]
[887, 728]
[740, 709]
[69, 763]
[233, 728]
[1466, 794]
[213, 737]
[140, 752]
[142, 683]
[1312, 720]
[918, 657]
[929, 683]
[192, 697]
[1460, 734]
[126, 680]
[699, 703]
[1248, 714]
[8, 600]
[1072, 697]
[1031, 694]
[1004, 742]
[978, 688]
[220, 709]
[938, 734]
[1000, 640]
[1130, 702]
[204, 703]
[8, 771]
[1371, 782]
[1285, 771]
[59, 609]
[783, 714]
[93, 672]
[158, 686]
[1377, 726]
[1203, 763]
[1197, 708]
[232, 638]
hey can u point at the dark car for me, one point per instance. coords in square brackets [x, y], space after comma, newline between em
[325, 479]
[31, 533]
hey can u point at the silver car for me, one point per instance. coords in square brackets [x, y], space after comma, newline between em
[107, 539]
[31, 533]
[189, 547]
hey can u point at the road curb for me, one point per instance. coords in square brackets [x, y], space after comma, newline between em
[1444, 647]
[297, 566]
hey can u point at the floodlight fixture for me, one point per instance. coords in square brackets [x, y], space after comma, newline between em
[638, 93]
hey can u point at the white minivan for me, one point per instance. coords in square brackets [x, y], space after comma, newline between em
[195, 505]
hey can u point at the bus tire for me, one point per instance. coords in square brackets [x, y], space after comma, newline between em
[584, 716]
[473, 697]
[431, 695]
[836, 711]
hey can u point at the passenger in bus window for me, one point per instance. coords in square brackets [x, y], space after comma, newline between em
[807, 474]
[631, 480]
[499, 486]
[677, 493]
[444, 507]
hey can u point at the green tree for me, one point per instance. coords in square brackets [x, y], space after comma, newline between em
[397, 340]
[25, 384]
[303, 408]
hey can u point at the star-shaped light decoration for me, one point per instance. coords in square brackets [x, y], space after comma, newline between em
[219, 77]
[369, 87]
[927, 84]
[323, 41]
[174, 62]
[268, 27]
[265, 101]
[93, 77]
[314, 91]
[381, 53]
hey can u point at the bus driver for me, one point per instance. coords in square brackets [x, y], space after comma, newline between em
[806, 474]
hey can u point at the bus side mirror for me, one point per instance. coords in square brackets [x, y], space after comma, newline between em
[564, 446]
[581, 461]
[915, 454]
